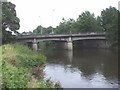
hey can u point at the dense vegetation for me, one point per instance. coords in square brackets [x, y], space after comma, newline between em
[0, 67]
[10, 22]
[109, 23]
[86, 23]
[21, 66]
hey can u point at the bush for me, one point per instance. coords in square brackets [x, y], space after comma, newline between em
[14, 77]
[18, 63]
[0, 67]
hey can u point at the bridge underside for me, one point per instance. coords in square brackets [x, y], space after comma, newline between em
[70, 45]
[90, 44]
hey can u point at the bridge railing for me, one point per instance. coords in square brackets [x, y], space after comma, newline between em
[71, 34]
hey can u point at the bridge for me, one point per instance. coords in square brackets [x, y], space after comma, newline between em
[66, 38]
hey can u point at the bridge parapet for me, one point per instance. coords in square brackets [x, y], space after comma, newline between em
[59, 36]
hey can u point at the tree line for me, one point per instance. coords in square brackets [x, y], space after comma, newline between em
[85, 23]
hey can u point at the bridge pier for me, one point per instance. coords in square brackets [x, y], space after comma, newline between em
[69, 44]
[35, 45]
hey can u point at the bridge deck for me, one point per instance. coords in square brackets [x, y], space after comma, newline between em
[60, 35]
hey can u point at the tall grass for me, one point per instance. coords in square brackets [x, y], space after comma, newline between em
[18, 62]
[0, 67]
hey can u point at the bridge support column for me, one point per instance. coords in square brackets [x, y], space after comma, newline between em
[35, 46]
[69, 44]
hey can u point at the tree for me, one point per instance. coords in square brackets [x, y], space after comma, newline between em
[49, 30]
[38, 30]
[65, 27]
[87, 22]
[109, 22]
[10, 21]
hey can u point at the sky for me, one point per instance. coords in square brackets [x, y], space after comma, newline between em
[33, 13]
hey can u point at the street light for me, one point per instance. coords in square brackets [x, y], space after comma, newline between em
[41, 30]
[52, 21]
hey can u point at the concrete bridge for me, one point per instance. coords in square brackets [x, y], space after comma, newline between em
[66, 38]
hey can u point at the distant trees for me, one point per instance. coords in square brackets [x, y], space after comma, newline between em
[38, 30]
[109, 22]
[10, 21]
[87, 23]
[65, 27]
[42, 30]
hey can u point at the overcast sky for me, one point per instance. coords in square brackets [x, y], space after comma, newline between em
[50, 12]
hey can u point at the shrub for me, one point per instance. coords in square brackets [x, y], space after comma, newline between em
[17, 62]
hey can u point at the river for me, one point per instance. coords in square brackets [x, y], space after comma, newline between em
[83, 68]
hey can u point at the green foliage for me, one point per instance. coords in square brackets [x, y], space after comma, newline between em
[9, 21]
[49, 84]
[109, 22]
[38, 30]
[42, 30]
[44, 84]
[65, 27]
[16, 65]
[21, 56]
[18, 62]
[0, 11]
[14, 77]
[0, 67]
[88, 23]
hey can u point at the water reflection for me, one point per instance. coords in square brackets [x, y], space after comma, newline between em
[84, 68]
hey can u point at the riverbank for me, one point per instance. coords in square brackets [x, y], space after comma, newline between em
[21, 68]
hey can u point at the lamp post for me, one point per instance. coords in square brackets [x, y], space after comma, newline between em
[41, 30]
[52, 21]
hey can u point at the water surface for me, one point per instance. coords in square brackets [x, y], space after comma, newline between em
[83, 68]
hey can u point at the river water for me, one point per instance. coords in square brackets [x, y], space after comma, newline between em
[83, 68]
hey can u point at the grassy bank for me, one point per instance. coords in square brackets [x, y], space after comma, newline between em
[0, 67]
[21, 66]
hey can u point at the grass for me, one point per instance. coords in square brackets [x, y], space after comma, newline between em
[0, 67]
[18, 63]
